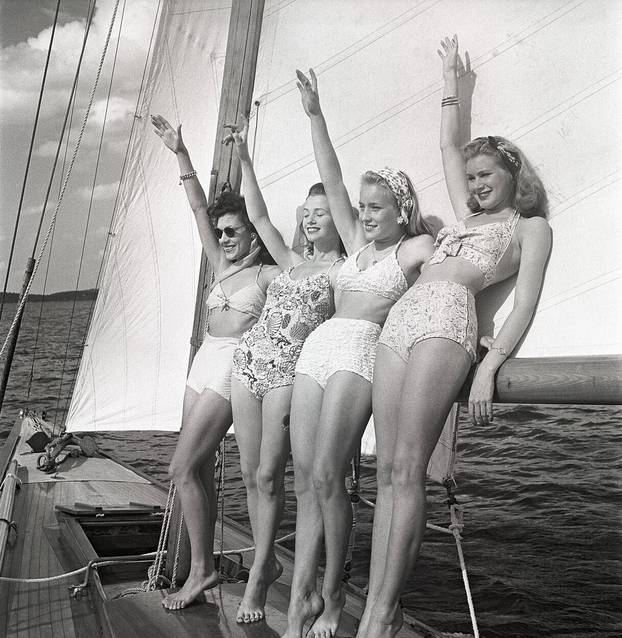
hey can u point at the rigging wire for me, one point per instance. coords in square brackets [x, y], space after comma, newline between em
[88, 220]
[66, 180]
[30, 149]
[49, 259]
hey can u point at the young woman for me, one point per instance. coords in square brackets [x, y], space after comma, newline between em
[429, 340]
[331, 402]
[298, 301]
[234, 303]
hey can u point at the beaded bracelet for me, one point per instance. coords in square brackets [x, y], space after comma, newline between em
[186, 176]
[501, 351]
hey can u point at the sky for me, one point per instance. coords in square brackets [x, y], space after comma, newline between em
[25, 29]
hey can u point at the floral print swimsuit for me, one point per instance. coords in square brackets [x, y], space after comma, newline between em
[267, 353]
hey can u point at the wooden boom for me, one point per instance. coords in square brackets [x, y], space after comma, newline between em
[593, 380]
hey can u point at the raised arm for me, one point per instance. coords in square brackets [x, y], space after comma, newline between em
[535, 241]
[173, 140]
[453, 164]
[348, 227]
[255, 204]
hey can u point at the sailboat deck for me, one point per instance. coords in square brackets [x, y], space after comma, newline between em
[42, 548]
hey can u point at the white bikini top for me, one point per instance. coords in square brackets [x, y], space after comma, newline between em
[384, 278]
[249, 299]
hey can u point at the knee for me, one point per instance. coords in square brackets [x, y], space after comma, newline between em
[384, 474]
[249, 476]
[407, 475]
[326, 482]
[269, 480]
[303, 484]
[180, 473]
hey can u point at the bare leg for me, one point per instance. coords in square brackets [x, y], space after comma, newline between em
[305, 603]
[205, 421]
[389, 373]
[441, 365]
[346, 409]
[247, 415]
[270, 503]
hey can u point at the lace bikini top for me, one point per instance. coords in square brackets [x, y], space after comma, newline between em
[294, 308]
[249, 300]
[385, 278]
[483, 246]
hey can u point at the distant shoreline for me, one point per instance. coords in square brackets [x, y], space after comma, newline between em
[67, 295]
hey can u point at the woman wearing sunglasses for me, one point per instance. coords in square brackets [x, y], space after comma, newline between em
[242, 274]
[331, 402]
[264, 363]
[429, 340]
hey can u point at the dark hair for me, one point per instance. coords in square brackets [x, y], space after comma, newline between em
[307, 246]
[229, 203]
[317, 189]
[416, 224]
[530, 198]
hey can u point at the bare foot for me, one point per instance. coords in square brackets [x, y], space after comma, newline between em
[385, 625]
[194, 586]
[302, 609]
[251, 609]
[327, 624]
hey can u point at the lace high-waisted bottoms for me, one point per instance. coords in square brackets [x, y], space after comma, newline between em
[435, 309]
[211, 366]
[340, 344]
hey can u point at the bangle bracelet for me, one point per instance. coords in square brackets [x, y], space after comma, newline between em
[452, 100]
[186, 176]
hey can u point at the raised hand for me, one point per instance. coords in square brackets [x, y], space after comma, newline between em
[449, 54]
[308, 92]
[239, 137]
[172, 138]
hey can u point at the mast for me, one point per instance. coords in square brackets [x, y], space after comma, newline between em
[235, 98]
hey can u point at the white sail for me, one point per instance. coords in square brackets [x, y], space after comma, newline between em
[133, 370]
[546, 75]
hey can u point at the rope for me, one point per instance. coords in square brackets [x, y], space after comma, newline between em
[22, 303]
[456, 528]
[155, 570]
[47, 579]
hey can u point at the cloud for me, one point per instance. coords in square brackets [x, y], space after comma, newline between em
[22, 64]
[100, 192]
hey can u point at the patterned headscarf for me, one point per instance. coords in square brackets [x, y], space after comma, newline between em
[510, 159]
[399, 185]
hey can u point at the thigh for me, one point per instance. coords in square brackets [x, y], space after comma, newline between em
[304, 420]
[346, 409]
[389, 374]
[436, 370]
[207, 416]
[275, 426]
[247, 423]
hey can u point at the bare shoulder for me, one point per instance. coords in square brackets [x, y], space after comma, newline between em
[268, 273]
[534, 235]
[534, 226]
[418, 248]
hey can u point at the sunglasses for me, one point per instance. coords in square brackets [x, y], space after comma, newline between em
[229, 231]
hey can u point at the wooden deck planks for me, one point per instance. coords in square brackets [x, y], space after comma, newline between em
[42, 610]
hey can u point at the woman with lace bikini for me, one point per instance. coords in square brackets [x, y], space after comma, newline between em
[428, 343]
[298, 301]
[331, 402]
[242, 273]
